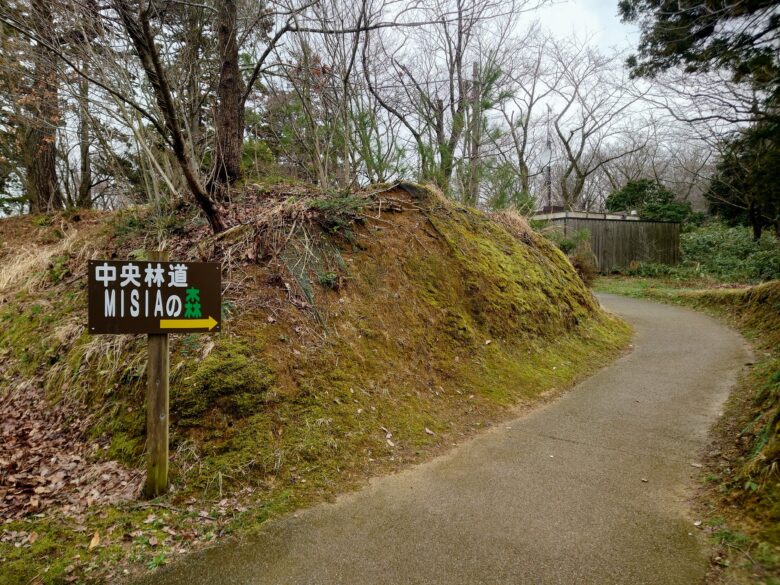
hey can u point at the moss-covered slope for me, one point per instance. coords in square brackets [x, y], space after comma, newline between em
[361, 332]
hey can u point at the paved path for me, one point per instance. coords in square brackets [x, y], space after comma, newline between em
[556, 498]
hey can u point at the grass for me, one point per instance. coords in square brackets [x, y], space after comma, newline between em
[741, 484]
[349, 337]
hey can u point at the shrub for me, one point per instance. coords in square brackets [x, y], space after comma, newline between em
[731, 254]
[725, 254]
[584, 262]
[577, 249]
[567, 244]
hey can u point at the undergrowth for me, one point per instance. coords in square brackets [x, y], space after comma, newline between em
[721, 254]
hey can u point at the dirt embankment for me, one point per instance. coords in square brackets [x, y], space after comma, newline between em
[361, 333]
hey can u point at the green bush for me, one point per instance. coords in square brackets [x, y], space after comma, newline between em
[577, 249]
[730, 254]
[567, 244]
[716, 251]
[584, 262]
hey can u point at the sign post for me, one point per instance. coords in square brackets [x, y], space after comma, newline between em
[157, 408]
[155, 297]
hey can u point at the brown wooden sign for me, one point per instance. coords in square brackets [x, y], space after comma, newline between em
[154, 297]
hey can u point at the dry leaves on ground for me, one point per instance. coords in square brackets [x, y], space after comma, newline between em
[45, 461]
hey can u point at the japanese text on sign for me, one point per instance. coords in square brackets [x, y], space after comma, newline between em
[153, 297]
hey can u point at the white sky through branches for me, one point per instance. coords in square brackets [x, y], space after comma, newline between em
[597, 19]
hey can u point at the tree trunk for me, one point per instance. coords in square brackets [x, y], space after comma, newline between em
[475, 138]
[194, 42]
[755, 221]
[40, 135]
[139, 30]
[571, 196]
[525, 177]
[84, 195]
[229, 117]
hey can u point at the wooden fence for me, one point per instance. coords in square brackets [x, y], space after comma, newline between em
[617, 243]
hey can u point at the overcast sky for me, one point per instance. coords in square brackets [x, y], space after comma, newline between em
[596, 18]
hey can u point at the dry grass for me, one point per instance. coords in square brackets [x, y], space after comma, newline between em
[514, 222]
[27, 250]
[28, 263]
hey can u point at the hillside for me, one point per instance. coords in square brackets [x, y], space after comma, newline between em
[361, 333]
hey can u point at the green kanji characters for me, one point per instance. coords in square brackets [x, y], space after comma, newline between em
[192, 308]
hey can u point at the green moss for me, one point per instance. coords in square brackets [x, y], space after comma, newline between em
[28, 331]
[458, 327]
[505, 374]
[506, 286]
[230, 379]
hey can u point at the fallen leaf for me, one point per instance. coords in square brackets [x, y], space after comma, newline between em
[429, 431]
[95, 540]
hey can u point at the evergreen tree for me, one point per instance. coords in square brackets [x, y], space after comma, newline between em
[707, 35]
[652, 201]
[746, 188]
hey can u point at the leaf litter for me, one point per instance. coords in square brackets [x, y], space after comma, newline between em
[47, 463]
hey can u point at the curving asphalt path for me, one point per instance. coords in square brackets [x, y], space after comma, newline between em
[555, 497]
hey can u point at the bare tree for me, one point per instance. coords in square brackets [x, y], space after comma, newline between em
[137, 25]
[597, 98]
[533, 81]
[429, 82]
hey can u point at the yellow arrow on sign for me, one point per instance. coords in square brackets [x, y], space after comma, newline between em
[188, 323]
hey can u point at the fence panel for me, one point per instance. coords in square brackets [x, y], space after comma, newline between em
[617, 243]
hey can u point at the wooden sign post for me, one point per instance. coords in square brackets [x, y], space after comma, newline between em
[155, 297]
[157, 377]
